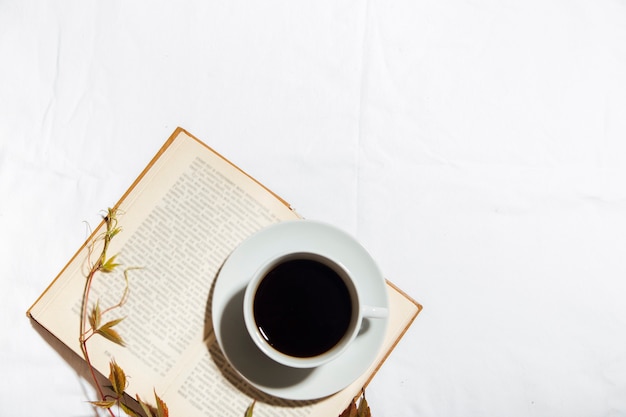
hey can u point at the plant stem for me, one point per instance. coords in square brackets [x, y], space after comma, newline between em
[85, 304]
[83, 332]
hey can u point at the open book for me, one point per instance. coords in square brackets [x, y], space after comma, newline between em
[181, 219]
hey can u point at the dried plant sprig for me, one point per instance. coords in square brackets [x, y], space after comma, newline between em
[91, 324]
[360, 410]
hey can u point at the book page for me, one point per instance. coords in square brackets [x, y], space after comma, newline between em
[180, 221]
[212, 387]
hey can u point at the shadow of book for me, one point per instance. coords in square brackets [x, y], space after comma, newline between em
[80, 367]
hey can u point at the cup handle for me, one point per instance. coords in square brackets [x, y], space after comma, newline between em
[374, 312]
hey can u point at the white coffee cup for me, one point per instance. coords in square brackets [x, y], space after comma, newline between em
[304, 309]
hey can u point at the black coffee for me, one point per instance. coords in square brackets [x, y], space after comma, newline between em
[302, 307]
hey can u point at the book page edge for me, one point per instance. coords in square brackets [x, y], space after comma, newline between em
[390, 349]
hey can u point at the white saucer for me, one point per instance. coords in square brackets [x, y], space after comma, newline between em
[227, 310]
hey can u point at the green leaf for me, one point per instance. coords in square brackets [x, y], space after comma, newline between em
[110, 214]
[103, 404]
[107, 332]
[111, 335]
[250, 409]
[111, 323]
[117, 378]
[109, 265]
[114, 232]
[95, 316]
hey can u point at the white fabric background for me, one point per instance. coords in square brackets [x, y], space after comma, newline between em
[476, 148]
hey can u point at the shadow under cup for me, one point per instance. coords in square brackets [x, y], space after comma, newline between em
[303, 309]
